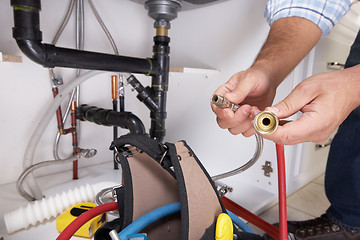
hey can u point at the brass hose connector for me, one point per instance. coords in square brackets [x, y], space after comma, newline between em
[266, 122]
[222, 102]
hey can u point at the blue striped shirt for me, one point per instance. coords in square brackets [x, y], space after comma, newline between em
[324, 13]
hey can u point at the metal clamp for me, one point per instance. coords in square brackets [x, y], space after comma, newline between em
[164, 154]
[319, 146]
[113, 190]
[335, 65]
[223, 189]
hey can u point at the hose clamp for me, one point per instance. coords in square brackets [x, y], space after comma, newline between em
[164, 154]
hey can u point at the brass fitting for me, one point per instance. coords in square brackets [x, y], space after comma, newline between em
[62, 131]
[162, 31]
[266, 122]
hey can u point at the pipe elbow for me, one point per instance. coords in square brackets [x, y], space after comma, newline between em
[34, 50]
[134, 124]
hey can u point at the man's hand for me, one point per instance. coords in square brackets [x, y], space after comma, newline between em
[325, 101]
[289, 40]
[250, 88]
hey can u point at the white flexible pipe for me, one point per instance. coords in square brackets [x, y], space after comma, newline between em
[41, 126]
[50, 207]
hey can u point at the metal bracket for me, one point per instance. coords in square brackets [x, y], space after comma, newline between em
[267, 168]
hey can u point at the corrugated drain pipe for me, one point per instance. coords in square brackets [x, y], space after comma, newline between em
[108, 117]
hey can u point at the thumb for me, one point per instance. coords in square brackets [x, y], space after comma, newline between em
[293, 103]
[240, 92]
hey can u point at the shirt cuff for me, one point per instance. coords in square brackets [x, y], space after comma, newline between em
[324, 13]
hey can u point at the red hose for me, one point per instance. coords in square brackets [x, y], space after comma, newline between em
[272, 230]
[282, 192]
[75, 225]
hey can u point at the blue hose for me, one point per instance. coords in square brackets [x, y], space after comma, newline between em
[149, 218]
[239, 222]
[166, 210]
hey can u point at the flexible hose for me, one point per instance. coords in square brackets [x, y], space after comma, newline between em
[280, 233]
[251, 162]
[103, 26]
[19, 183]
[149, 218]
[79, 45]
[282, 192]
[270, 229]
[239, 222]
[71, 229]
[64, 22]
[138, 224]
[41, 126]
[75, 91]
[58, 135]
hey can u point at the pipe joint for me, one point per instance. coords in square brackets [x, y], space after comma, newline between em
[144, 94]
[26, 22]
[27, 3]
[33, 50]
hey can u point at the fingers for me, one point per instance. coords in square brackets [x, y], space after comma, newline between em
[301, 96]
[308, 128]
[229, 119]
[240, 122]
[239, 89]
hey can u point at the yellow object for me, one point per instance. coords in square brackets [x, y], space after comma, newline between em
[224, 228]
[89, 228]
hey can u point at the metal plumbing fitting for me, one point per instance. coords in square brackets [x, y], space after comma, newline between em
[266, 122]
[222, 102]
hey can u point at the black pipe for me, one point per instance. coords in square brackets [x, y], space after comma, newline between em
[107, 117]
[115, 132]
[159, 87]
[27, 33]
[28, 36]
[145, 94]
[155, 97]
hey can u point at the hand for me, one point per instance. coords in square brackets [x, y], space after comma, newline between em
[250, 88]
[325, 101]
[288, 41]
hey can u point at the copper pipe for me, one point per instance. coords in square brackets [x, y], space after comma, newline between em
[74, 139]
[114, 87]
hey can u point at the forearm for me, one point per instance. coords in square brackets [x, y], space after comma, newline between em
[289, 41]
